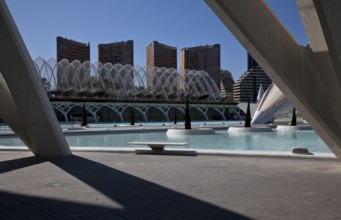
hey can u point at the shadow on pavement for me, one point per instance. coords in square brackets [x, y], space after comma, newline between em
[18, 206]
[139, 198]
[11, 165]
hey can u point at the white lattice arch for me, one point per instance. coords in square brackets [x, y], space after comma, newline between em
[92, 107]
[78, 79]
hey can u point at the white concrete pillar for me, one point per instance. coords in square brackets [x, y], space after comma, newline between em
[308, 76]
[24, 103]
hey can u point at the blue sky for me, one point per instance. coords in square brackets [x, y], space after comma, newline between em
[178, 23]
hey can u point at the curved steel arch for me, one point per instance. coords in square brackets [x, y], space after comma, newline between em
[124, 81]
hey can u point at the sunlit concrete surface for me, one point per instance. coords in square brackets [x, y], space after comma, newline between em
[24, 104]
[128, 186]
[310, 76]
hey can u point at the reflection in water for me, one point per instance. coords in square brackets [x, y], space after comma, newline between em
[248, 141]
[294, 137]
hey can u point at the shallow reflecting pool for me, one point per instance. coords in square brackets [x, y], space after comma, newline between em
[262, 141]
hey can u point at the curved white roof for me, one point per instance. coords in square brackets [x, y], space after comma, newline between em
[272, 102]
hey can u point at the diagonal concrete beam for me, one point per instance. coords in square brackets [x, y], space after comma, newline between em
[329, 16]
[308, 76]
[24, 103]
[312, 24]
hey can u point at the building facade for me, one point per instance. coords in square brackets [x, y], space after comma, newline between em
[205, 58]
[117, 52]
[226, 85]
[72, 50]
[246, 87]
[161, 55]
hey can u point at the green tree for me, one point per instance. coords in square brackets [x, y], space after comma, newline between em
[293, 118]
[46, 84]
[187, 116]
[84, 118]
[132, 122]
[175, 117]
[248, 116]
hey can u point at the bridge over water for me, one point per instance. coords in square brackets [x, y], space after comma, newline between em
[121, 111]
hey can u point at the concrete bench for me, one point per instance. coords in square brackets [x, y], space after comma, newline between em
[158, 147]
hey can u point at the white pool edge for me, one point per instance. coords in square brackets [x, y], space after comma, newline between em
[274, 154]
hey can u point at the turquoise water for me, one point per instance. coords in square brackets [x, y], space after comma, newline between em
[222, 140]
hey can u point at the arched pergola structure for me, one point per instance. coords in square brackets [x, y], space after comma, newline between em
[76, 79]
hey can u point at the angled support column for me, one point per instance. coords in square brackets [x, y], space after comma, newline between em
[308, 76]
[24, 103]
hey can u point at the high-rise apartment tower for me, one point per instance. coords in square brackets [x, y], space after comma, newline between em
[226, 85]
[72, 50]
[117, 52]
[161, 55]
[205, 58]
[246, 87]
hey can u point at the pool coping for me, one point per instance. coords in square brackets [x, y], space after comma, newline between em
[236, 153]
